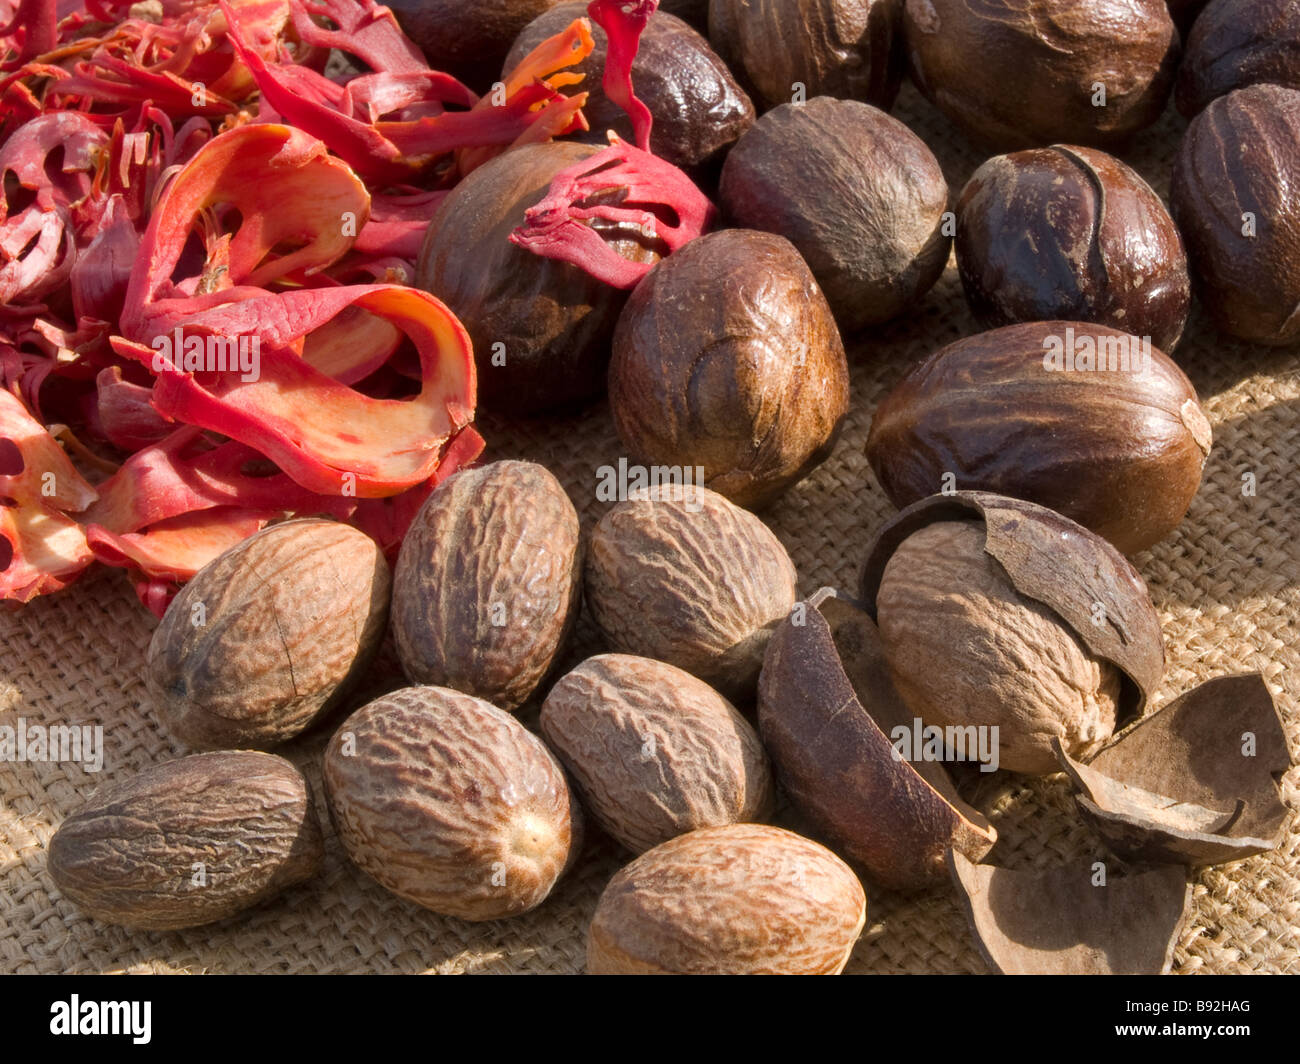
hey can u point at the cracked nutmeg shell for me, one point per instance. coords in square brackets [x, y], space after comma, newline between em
[727, 358]
[1233, 197]
[698, 108]
[998, 612]
[451, 803]
[188, 841]
[270, 636]
[655, 752]
[487, 585]
[1236, 43]
[1120, 450]
[828, 713]
[878, 244]
[798, 49]
[1025, 73]
[1071, 233]
[681, 575]
[744, 899]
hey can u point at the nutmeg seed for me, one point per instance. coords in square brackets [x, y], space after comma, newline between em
[1236, 43]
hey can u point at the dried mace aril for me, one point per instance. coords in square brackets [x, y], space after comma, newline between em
[1071, 233]
[995, 612]
[1024, 73]
[879, 243]
[798, 49]
[1233, 197]
[1236, 43]
[727, 359]
[1088, 421]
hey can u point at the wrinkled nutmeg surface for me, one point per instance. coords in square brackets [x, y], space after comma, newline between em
[856, 191]
[727, 358]
[655, 752]
[189, 841]
[964, 647]
[487, 585]
[1236, 43]
[735, 900]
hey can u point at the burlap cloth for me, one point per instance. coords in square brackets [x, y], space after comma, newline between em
[1226, 584]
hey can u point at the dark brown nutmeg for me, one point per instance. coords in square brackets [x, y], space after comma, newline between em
[468, 41]
[698, 108]
[540, 327]
[727, 358]
[1233, 197]
[879, 243]
[1073, 234]
[1026, 73]
[797, 49]
[829, 717]
[1120, 448]
[1236, 43]
[487, 585]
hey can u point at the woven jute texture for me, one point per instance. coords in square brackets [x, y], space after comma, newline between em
[1226, 585]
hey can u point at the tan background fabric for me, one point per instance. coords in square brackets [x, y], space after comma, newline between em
[1227, 586]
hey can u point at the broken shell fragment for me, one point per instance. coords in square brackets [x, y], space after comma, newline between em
[826, 710]
[1195, 783]
[1070, 920]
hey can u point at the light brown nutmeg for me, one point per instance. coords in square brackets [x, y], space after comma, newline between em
[681, 575]
[270, 636]
[487, 585]
[745, 899]
[451, 803]
[655, 752]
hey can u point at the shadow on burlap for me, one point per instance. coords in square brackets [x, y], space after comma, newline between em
[1226, 584]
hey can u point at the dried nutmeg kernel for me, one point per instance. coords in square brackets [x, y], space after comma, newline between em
[1071, 233]
[487, 585]
[451, 803]
[1233, 197]
[830, 717]
[797, 49]
[744, 899]
[698, 108]
[681, 575]
[540, 327]
[189, 841]
[879, 243]
[655, 752]
[727, 359]
[1025, 73]
[1196, 782]
[998, 612]
[270, 636]
[1236, 43]
[1068, 921]
[1110, 434]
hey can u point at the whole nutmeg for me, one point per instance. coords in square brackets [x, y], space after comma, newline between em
[451, 803]
[188, 841]
[1236, 43]
[487, 585]
[1110, 433]
[727, 358]
[468, 41]
[1233, 197]
[1071, 233]
[698, 108]
[798, 49]
[270, 636]
[744, 899]
[879, 243]
[655, 752]
[540, 327]
[681, 575]
[1025, 73]
[997, 613]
